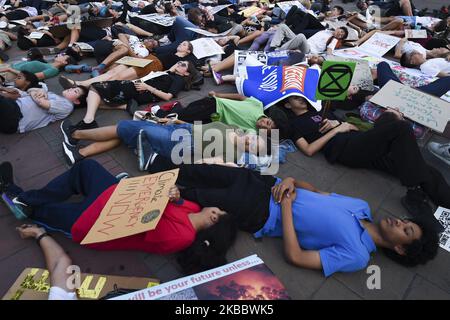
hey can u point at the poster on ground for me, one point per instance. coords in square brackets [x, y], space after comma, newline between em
[443, 216]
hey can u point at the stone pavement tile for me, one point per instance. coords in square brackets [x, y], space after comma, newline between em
[334, 290]
[392, 202]
[167, 272]
[395, 279]
[421, 289]
[364, 184]
[40, 181]
[154, 262]
[437, 271]
[10, 242]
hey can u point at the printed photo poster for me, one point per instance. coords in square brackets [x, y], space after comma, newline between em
[362, 76]
[162, 20]
[207, 33]
[245, 279]
[443, 216]
[379, 44]
[416, 105]
[415, 34]
[287, 5]
[135, 206]
[206, 47]
[271, 84]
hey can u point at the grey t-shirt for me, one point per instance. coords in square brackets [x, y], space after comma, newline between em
[35, 117]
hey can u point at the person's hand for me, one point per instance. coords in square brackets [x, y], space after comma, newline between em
[327, 125]
[174, 194]
[141, 86]
[282, 189]
[212, 93]
[30, 231]
[346, 127]
[289, 197]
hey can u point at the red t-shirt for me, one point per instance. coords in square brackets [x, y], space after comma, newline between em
[173, 233]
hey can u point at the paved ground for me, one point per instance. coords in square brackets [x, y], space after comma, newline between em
[37, 157]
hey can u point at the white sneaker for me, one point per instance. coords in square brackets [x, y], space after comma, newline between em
[440, 150]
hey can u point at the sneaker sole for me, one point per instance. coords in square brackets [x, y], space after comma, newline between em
[11, 206]
[140, 152]
[68, 155]
[66, 138]
[439, 156]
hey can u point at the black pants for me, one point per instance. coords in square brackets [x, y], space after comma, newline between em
[10, 116]
[302, 22]
[199, 110]
[91, 33]
[16, 15]
[392, 148]
[117, 92]
[241, 192]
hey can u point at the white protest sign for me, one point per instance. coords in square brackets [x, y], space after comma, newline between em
[214, 10]
[36, 35]
[416, 105]
[379, 44]
[287, 5]
[362, 76]
[151, 75]
[162, 20]
[207, 33]
[206, 47]
[416, 34]
[443, 216]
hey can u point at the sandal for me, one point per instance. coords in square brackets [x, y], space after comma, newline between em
[67, 83]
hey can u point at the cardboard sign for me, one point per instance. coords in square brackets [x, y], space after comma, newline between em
[334, 80]
[206, 47]
[362, 77]
[34, 284]
[245, 279]
[252, 11]
[135, 206]
[416, 34]
[379, 44]
[36, 35]
[135, 62]
[416, 105]
[443, 216]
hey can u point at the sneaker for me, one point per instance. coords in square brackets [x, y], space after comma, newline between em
[122, 175]
[86, 126]
[71, 154]
[132, 107]
[440, 150]
[6, 176]
[67, 129]
[20, 210]
[146, 154]
[217, 78]
[416, 203]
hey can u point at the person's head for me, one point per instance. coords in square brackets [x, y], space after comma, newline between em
[26, 80]
[296, 103]
[337, 11]
[150, 44]
[362, 5]
[211, 244]
[24, 43]
[94, 11]
[74, 52]
[63, 60]
[352, 90]
[412, 59]
[265, 123]
[276, 119]
[34, 54]
[196, 16]
[187, 70]
[341, 33]
[76, 95]
[409, 242]
[185, 48]
[316, 59]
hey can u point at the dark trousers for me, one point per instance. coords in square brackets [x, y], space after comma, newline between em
[10, 115]
[241, 192]
[436, 88]
[178, 33]
[50, 207]
[199, 110]
[392, 147]
[302, 22]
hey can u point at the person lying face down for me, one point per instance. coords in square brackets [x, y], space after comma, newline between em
[320, 230]
[203, 235]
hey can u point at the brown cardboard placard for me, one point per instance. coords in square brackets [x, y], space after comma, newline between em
[135, 62]
[135, 206]
[33, 284]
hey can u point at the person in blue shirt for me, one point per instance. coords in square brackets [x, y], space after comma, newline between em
[322, 231]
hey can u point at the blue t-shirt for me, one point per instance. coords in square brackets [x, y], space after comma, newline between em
[330, 224]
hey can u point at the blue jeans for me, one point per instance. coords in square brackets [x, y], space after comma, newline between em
[437, 88]
[159, 136]
[177, 35]
[50, 206]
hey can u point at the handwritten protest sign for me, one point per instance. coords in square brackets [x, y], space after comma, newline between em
[443, 216]
[362, 77]
[415, 34]
[252, 11]
[135, 206]
[206, 47]
[135, 62]
[34, 284]
[379, 44]
[334, 80]
[416, 105]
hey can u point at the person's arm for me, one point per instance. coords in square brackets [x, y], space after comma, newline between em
[232, 96]
[311, 149]
[288, 185]
[10, 93]
[142, 86]
[56, 259]
[443, 74]
[399, 48]
[40, 97]
[295, 255]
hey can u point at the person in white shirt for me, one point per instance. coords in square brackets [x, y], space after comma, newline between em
[436, 67]
[407, 46]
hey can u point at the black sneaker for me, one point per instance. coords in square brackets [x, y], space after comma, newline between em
[20, 210]
[85, 126]
[132, 107]
[6, 176]
[67, 129]
[146, 154]
[71, 154]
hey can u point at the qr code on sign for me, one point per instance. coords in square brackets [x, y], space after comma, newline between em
[444, 219]
[443, 239]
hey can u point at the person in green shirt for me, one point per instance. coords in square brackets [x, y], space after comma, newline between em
[42, 70]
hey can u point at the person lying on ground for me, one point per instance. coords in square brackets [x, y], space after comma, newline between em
[202, 235]
[25, 80]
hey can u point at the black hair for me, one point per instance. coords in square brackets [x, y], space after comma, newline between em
[360, 4]
[280, 119]
[210, 246]
[32, 79]
[82, 99]
[340, 9]
[70, 60]
[440, 26]
[74, 54]
[419, 251]
[24, 43]
[194, 15]
[405, 60]
[345, 32]
[34, 54]
[193, 77]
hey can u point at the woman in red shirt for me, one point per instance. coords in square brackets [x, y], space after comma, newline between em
[205, 234]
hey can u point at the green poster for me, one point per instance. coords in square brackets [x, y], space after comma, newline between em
[335, 78]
